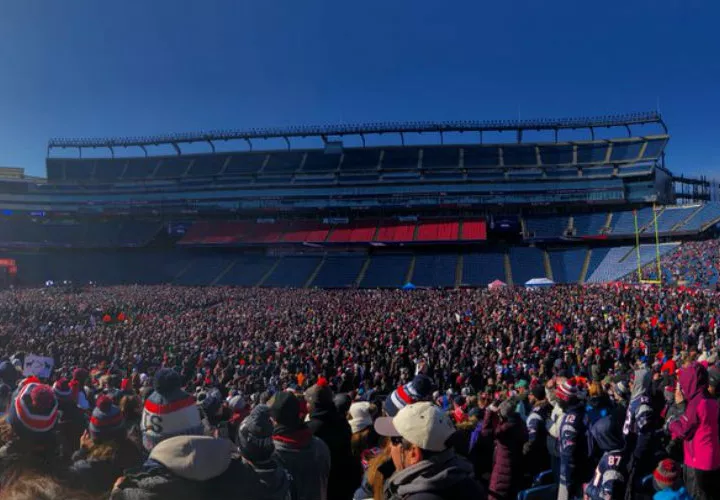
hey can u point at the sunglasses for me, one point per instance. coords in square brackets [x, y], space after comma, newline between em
[396, 440]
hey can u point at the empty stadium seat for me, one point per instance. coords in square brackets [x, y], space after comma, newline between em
[207, 165]
[624, 222]
[437, 231]
[526, 263]
[400, 159]
[547, 227]
[319, 161]
[171, 168]
[435, 270]
[247, 270]
[440, 157]
[360, 159]
[395, 232]
[203, 270]
[386, 271]
[589, 224]
[339, 271]
[293, 271]
[480, 269]
[567, 264]
[245, 163]
[473, 230]
[706, 215]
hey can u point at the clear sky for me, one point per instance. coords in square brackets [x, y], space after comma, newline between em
[86, 68]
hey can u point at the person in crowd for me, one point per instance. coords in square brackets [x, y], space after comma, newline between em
[38, 486]
[509, 433]
[523, 406]
[169, 411]
[425, 466]
[258, 473]
[553, 425]
[105, 450]
[333, 428]
[639, 429]
[674, 409]
[667, 480]
[131, 408]
[182, 467]
[610, 479]
[698, 428]
[572, 441]
[537, 458]
[28, 441]
[306, 457]
[364, 441]
[72, 421]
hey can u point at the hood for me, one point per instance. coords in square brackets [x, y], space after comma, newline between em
[197, 458]
[271, 482]
[607, 433]
[693, 381]
[436, 474]
[641, 384]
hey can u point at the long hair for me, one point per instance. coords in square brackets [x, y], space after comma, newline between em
[121, 451]
[362, 440]
[34, 486]
[374, 476]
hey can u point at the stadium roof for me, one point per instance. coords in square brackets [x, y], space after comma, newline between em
[361, 130]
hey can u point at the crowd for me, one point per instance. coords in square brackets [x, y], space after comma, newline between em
[169, 392]
[693, 263]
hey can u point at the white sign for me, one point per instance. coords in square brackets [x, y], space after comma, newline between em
[40, 366]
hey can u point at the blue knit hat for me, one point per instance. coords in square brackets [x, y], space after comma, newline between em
[420, 389]
[106, 421]
[169, 411]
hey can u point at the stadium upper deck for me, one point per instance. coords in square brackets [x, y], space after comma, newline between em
[473, 174]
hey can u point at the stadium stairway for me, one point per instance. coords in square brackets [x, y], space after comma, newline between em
[459, 267]
[224, 272]
[682, 223]
[548, 267]
[586, 266]
[269, 273]
[508, 269]
[411, 267]
[363, 271]
[315, 272]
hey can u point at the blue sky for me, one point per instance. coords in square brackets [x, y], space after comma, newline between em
[94, 69]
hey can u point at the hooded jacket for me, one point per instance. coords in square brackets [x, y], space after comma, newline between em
[639, 417]
[698, 427]
[610, 477]
[509, 437]
[182, 467]
[535, 449]
[307, 459]
[329, 425]
[443, 476]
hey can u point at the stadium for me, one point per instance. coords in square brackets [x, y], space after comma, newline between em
[461, 204]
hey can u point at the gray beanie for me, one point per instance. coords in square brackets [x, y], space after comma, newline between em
[255, 435]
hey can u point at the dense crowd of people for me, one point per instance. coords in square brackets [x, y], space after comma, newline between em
[693, 263]
[598, 392]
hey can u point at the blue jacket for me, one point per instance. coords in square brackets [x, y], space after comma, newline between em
[669, 494]
[610, 478]
[573, 449]
[638, 428]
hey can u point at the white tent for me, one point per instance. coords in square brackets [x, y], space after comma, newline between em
[539, 283]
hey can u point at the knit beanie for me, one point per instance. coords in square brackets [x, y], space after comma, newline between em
[539, 392]
[169, 411]
[255, 435]
[567, 391]
[420, 389]
[666, 474]
[34, 412]
[106, 421]
[360, 417]
[63, 391]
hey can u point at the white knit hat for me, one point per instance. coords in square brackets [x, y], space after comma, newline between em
[361, 418]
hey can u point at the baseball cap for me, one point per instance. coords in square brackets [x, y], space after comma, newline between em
[422, 424]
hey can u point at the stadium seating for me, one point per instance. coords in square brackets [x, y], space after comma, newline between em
[620, 261]
[519, 155]
[624, 151]
[360, 159]
[526, 263]
[140, 168]
[87, 234]
[247, 270]
[480, 269]
[339, 271]
[207, 165]
[591, 153]
[624, 222]
[109, 170]
[319, 161]
[386, 271]
[441, 158]
[567, 265]
[362, 232]
[589, 224]
[551, 226]
[669, 218]
[171, 168]
[400, 159]
[283, 162]
[435, 270]
[597, 255]
[248, 163]
[557, 155]
[437, 231]
[396, 232]
[707, 215]
[473, 230]
[203, 270]
[293, 271]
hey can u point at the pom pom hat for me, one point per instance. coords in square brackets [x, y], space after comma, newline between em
[169, 411]
[34, 412]
[107, 420]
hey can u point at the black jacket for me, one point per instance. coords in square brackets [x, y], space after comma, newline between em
[345, 469]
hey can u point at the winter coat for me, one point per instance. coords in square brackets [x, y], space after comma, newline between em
[639, 419]
[442, 476]
[698, 427]
[670, 494]
[345, 470]
[553, 427]
[537, 458]
[268, 481]
[307, 459]
[510, 436]
[182, 468]
[98, 476]
[15, 458]
[610, 478]
[573, 449]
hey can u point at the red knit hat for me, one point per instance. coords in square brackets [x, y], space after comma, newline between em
[666, 474]
[567, 391]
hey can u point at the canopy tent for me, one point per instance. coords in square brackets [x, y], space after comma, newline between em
[539, 283]
[496, 284]
[409, 286]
